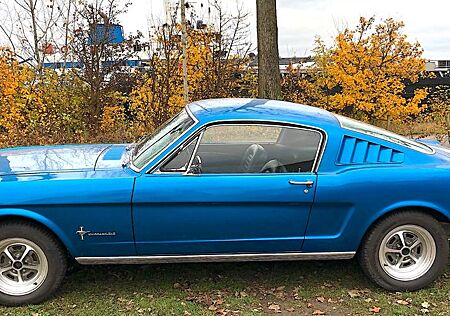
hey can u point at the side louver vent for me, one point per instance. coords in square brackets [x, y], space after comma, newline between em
[359, 151]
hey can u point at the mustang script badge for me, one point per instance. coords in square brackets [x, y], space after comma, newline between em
[81, 232]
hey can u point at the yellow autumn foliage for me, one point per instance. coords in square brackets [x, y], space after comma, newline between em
[369, 67]
[160, 94]
[437, 115]
[38, 108]
[53, 106]
[362, 75]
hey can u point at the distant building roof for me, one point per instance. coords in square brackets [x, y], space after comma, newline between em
[285, 61]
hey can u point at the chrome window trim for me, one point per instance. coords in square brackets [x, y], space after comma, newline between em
[173, 153]
[317, 159]
[233, 257]
[188, 111]
[431, 151]
[199, 138]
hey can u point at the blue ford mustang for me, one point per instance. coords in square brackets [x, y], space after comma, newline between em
[227, 180]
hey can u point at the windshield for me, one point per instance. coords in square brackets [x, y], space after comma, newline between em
[147, 148]
[371, 130]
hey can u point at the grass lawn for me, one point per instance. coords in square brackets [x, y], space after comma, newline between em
[285, 288]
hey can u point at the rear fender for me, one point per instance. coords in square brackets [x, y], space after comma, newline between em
[434, 208]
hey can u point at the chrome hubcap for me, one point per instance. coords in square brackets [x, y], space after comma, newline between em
[23, 266]
[407, 252]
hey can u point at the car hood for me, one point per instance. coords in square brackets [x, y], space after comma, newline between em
[65, 158]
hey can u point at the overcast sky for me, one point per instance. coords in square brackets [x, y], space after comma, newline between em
[299, 21]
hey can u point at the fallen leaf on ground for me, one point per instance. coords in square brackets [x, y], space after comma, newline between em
[223, 312]
[318, 312]
[375, 309]
[274, 307]
[290, 309]
[212, 308]
[354, 293]
[320, 299]
[402, 302]
[425, 305]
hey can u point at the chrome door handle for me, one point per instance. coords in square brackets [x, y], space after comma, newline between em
[308, 183]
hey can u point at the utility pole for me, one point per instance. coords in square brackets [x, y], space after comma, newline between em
[184, 45]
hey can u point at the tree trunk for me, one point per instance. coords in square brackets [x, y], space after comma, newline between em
[34, 26]
[269, 79]
[447, 125]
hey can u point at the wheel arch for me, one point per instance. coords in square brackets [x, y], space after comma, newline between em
[436, 212]
[35, 218]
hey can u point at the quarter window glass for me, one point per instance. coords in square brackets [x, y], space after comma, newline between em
[257, 149]
[180, 161]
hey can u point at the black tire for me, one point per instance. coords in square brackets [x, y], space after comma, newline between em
[369, 251]
[55, 255]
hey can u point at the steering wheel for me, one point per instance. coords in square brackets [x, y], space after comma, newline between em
[274, 166]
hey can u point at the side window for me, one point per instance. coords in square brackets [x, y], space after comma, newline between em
[256, 149]
[180, 160]
[236, 134]
[298, 148]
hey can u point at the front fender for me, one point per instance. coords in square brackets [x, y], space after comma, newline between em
[52, 226]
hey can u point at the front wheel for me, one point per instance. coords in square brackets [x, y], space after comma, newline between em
[405, 251]
[32, 264]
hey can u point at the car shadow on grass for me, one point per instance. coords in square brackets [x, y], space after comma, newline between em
[213, 275]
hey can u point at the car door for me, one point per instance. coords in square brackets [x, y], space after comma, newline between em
[233, 188]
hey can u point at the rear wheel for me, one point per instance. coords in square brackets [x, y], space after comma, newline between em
[32, 263]
[405, 251]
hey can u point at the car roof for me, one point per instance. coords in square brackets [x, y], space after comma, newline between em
[261, 109]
